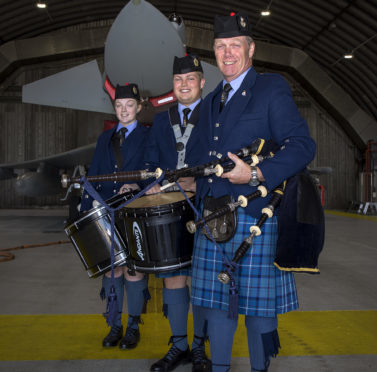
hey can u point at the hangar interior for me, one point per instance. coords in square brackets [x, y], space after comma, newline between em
[306, 42]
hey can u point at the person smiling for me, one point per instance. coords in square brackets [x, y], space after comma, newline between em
[245, 106]
[172, 140]
[121, 149]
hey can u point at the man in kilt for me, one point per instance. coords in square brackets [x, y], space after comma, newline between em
[245, 106]
[171, 140]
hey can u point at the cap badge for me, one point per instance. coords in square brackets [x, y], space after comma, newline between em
[242, 22]
[196, 62]
[134, 90]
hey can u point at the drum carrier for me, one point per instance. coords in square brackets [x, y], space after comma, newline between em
[91, 237]
[155, 227]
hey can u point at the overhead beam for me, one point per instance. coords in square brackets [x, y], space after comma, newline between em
[357, 123]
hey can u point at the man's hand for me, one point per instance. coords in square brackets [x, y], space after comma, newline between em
[187, 183]
[241, 173]
[154, 190]
[128, 187]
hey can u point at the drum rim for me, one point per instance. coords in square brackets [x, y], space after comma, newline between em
[158, 269]
[157, 208]
[87, 216]
[99, 209]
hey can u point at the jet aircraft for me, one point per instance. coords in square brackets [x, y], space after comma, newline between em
[139, 34]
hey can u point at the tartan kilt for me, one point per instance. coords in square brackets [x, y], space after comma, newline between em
[263, 289]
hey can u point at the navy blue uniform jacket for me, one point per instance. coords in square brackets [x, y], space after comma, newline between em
[103, 161]
[160, 150]
[262, 107]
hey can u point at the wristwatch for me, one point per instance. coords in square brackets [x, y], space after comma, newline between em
[254, 177]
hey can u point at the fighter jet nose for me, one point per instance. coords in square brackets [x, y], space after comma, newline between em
[177, 22]
[139, 51]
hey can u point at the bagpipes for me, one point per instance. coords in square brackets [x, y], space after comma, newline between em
[301, 224]
[253, 154]
[300, 221]
[255, 230]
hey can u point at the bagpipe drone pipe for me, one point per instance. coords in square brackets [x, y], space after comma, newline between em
[253, 154]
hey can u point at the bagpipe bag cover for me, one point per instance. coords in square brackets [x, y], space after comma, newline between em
[301, 226]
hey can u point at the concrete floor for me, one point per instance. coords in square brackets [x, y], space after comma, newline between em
[51, 280]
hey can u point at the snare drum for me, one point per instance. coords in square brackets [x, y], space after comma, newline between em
[91, 237]
[157, 238]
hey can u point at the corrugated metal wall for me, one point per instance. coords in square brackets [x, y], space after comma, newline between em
[334, 149]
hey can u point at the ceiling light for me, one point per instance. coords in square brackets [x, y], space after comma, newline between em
[265, 13]
[41, 5]
[348, 56]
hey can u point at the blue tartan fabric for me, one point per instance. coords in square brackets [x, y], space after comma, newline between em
[263, 289]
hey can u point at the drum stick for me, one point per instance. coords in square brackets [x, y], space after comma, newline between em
[166, 186]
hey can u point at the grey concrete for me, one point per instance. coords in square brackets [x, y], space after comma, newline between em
[43, 278]
[348, 266]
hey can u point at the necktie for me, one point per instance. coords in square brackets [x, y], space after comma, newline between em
[224, 95]
[186, 112]
[121, 135]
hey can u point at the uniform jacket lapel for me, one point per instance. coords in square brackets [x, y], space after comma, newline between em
[132, 144]
[110, 133]
[212, 113]
[239, 102]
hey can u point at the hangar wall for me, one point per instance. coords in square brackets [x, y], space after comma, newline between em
[31, 131]
[336, 150]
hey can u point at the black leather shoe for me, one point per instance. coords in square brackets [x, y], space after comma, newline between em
[113, 337]
[200, 362]
[130, 339]
[171, 360]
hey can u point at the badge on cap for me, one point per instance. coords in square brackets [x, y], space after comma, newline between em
[196, 62]
[242, 22]
[134, 90]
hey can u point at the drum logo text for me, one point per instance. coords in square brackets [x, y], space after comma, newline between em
[138, 239]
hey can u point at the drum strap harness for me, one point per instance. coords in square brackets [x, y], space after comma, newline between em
[112, 305]
[182, 139]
